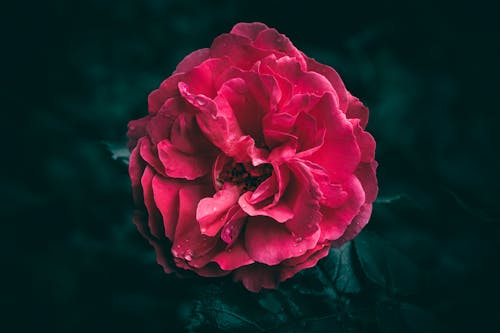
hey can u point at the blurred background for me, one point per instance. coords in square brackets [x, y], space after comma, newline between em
[78, 71]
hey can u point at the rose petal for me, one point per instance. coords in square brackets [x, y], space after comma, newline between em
[180, 165]
[189, 243]
[160, 124]
[192, 60]
[160, 247]
[358, 223]
[136, 167]
[206, 78]
[333, 195]
[279, 212]
[149, 155]
[331, 75]
[136, 130]
[303, 195]
[211, 211]
[166, 197]
[336, 220]
[167, 89]
[155, 222]
[303, 82]
[279, 44]
[248, 30]
[365, 141]
[366, 173]
[219, 124]
[244, 106]
[233, 257]
[340, 153]
[356, 110]
[270, 243]
[257, 276]
[292, 266]
[266, 189]
[238, 49]
[236, 218]
[310, 136]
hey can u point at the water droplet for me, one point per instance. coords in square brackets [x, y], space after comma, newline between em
[188, 255]
[298, 239]
[214, 209]
[132, 127]
[178, 246]
[186, 241]
[279, 39]
[203, 230]
[200, 101]
[229, 249]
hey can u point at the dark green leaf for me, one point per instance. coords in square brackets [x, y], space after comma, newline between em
[385, 266]
[345, 278]
[119, 152]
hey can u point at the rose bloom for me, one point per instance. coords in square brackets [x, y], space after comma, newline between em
[253, 160]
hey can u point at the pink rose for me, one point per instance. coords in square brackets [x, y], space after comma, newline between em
[253, 160]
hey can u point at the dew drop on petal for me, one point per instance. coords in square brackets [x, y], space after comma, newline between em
[298, 239]
[188, 255]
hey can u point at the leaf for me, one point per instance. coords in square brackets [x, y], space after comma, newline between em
[308, 302]
[385, 266]
[403, 317]
[119, 152]
[345, 278]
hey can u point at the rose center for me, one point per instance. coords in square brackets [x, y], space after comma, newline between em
[245, 174]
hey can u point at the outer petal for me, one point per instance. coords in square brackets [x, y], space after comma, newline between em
[136, 130]
[333, 77]
[155, 221]
[271, 39]
[149, 154]
[270, 243]
[238, 49]
[365, 141]
[192, 60]
[167, 89]
[292, 266]
[249, 30]
[257, 276]
[358, 223]
[161, 247]
[135, 170]
[189, 243]
[336, 220]
[356, 110]
[303, 82]
[366, 173]
[166, 197]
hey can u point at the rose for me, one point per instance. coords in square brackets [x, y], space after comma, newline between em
[253, 159]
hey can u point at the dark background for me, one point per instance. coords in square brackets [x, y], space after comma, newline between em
[77, 71]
